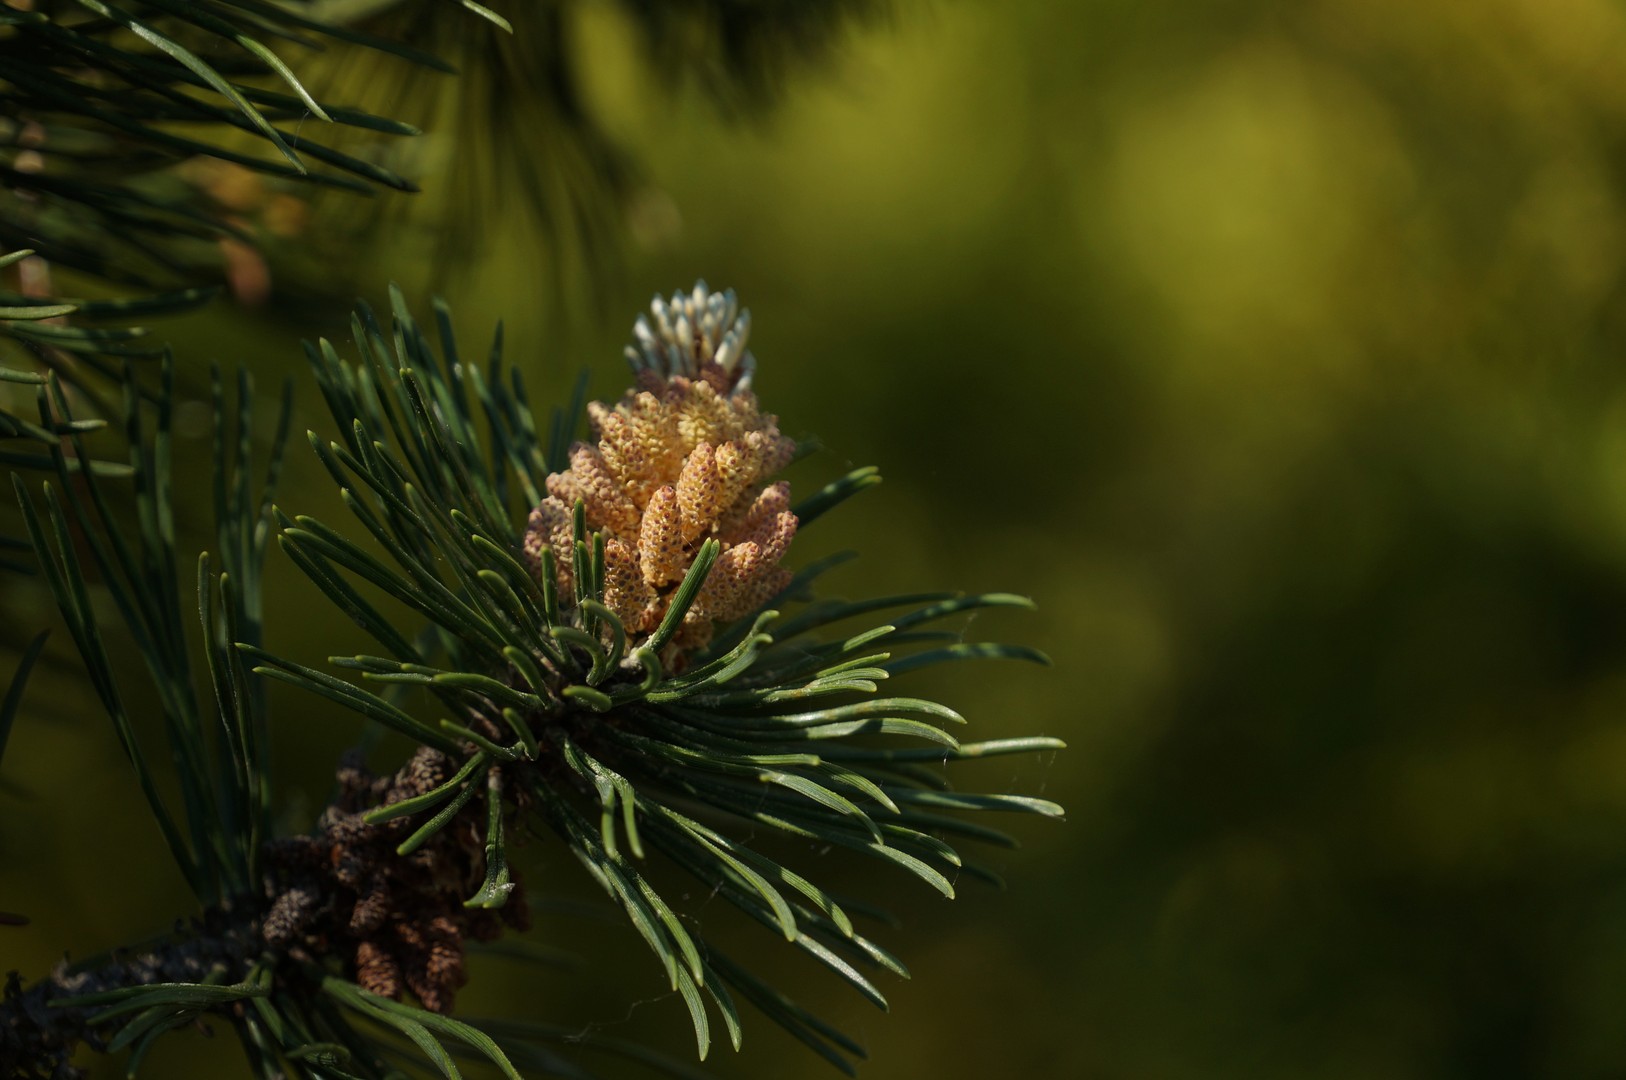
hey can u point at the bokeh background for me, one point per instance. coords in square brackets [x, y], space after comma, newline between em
[1279, 352]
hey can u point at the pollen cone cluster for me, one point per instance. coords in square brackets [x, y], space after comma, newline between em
[685, 456]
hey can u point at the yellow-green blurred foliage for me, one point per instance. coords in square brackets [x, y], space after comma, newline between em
[1279, 351]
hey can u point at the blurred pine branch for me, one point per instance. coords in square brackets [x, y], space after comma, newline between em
[146, 142]
[99, 102]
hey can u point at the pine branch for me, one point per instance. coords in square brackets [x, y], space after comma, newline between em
[156, 142]
[124, 999]
[218, 744]
[101, 99]
[583, 679]
[682, 705]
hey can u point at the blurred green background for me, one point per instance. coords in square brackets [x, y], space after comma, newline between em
[1276, 351]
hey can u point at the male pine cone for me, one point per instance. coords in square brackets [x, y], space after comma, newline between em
[685, 456]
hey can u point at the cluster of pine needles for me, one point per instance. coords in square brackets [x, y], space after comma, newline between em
[687, 743]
